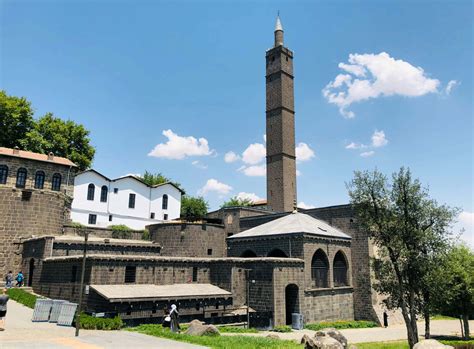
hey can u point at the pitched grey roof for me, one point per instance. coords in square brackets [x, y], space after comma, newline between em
[118, 293]
[293, 224]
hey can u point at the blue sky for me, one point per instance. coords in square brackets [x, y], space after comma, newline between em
[129, 70]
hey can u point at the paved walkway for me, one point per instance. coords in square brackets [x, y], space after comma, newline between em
[22, 333]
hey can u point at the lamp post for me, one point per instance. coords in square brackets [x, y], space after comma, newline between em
[79, 306]
[247, 279]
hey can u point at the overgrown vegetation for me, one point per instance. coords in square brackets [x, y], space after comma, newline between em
[193, 208]
[236, 201]
[158, 178]
[458, 344]
[220, 342]
[22, 297]
[282, 329]
[340, 325]
[99, 323]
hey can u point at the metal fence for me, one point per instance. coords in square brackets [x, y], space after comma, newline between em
[56, 310]
[59, 311]
[66, 314]
[42, 310]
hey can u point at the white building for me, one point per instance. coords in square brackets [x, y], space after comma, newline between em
[100, 201]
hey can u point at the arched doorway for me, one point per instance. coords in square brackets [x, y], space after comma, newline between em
[248, 254]
[276, 252]
[31, 271]
[291, 302]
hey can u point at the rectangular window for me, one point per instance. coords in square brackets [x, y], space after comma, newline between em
[110, 218]
[115, 190]
[130, 274]
[131, 201]
[165, 217]
[74, 273]
[152, 215]
[195, 274]
[209, 251]
[92, 219]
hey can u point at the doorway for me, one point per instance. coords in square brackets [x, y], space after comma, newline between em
[291, 302]
[31, 271]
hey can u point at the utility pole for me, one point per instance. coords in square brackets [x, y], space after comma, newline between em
[83, 271]
[247, 280]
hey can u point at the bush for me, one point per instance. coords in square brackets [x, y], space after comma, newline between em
[22, 297]
[121, 231]
[340, 325]
[99, 323]
[282, 329]
[145, 234]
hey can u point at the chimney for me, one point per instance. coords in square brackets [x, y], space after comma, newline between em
[51, 156]
[16, 150]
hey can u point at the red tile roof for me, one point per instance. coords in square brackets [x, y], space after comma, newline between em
[36, 156]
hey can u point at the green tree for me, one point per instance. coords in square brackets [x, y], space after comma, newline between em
[193, 207]
[63, 138]
[408, 227]
[16, 120]
[157, 178]
[453, 285]
[236, 201]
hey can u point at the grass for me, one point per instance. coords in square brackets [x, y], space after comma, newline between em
[282, 329]
[235, 329]
[404, 344]
[97, 323]
[340, 325]
[442, 317]
[22, 297]
[218, 342]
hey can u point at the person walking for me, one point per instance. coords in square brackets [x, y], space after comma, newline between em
[9, 280]
[166, 318]
[3, 308]
[20, 279]
[174, 318]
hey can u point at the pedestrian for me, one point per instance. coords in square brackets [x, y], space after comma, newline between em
[9, 280]
[385, 319]
[3, 309]
[166, 318]
[19, 279]
[174, 319]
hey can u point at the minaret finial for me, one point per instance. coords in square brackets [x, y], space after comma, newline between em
[278, 31]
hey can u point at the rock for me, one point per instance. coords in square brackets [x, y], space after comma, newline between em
[308, 342]
[197, 328]
[332, 332]
[430, 344]
[273, 336]
[327, 342]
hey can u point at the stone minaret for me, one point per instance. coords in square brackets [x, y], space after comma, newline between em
[281, 164]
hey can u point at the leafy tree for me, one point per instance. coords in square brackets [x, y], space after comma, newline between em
[63, 138]
[236, 201]
[16, 120]
[193, 207]
[157, 178]
[453, 285]
[409, 228]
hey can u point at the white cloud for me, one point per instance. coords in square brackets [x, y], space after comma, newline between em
[213, 185]
[198, 164]
[386, 77]
[378, 139]
[254, 171]
[449, 87]
[353, 145]
[367, 154]
[231, 157]
[302, 205]
[254, 154]
[465, 226]
[303, 152]
[248, 196]
[298, 173]
[178, 147]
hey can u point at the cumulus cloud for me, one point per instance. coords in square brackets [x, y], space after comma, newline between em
[231, 157]
[213, 185]
[378, 139]
[298, 173]
[354, 145]
[449, 87]
[248, 196]
[367, 154]
[465, 226]
[304, 206]
[178, 147]
[254, 170]
[198, 164]
[303, 152]
[373, 76]
[254, 154]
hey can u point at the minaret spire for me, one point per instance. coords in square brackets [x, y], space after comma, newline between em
[278, 31]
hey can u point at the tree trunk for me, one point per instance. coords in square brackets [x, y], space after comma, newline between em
[465, 320]
[426, 314]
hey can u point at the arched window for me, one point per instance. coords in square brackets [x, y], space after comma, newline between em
[319, 269]
[340, 270]
[21, 177]
[103, 193]
[90, 192]
[248, 254]
[39, 180]
[56, 182]
[164, 204]
[276, 252]
[3, 174]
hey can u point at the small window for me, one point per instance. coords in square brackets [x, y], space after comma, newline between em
[110, 218]
[56, 182]
[165, 217]
[39, 180]
[130, 274]
[152, 215]
[131, 201]
[209, 251]
[164, 204]
[103, 193]
[273, 58]
[3, 174]
[21, 177]
[92, 219]
[115, 190]
[74, 273]
[90, 192]
[195, 274]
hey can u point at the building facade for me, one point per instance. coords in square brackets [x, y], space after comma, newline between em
[101, 202]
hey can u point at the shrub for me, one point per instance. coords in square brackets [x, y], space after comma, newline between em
[340, 325]
[22, 297]
[99, 323]
[282, 329]
[121, 231]
[145, 234]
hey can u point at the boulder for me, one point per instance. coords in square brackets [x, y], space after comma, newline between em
[332, 332]
[197, 328]
[430, 344]
[326, 342]
[308, 342]
[273, 336]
